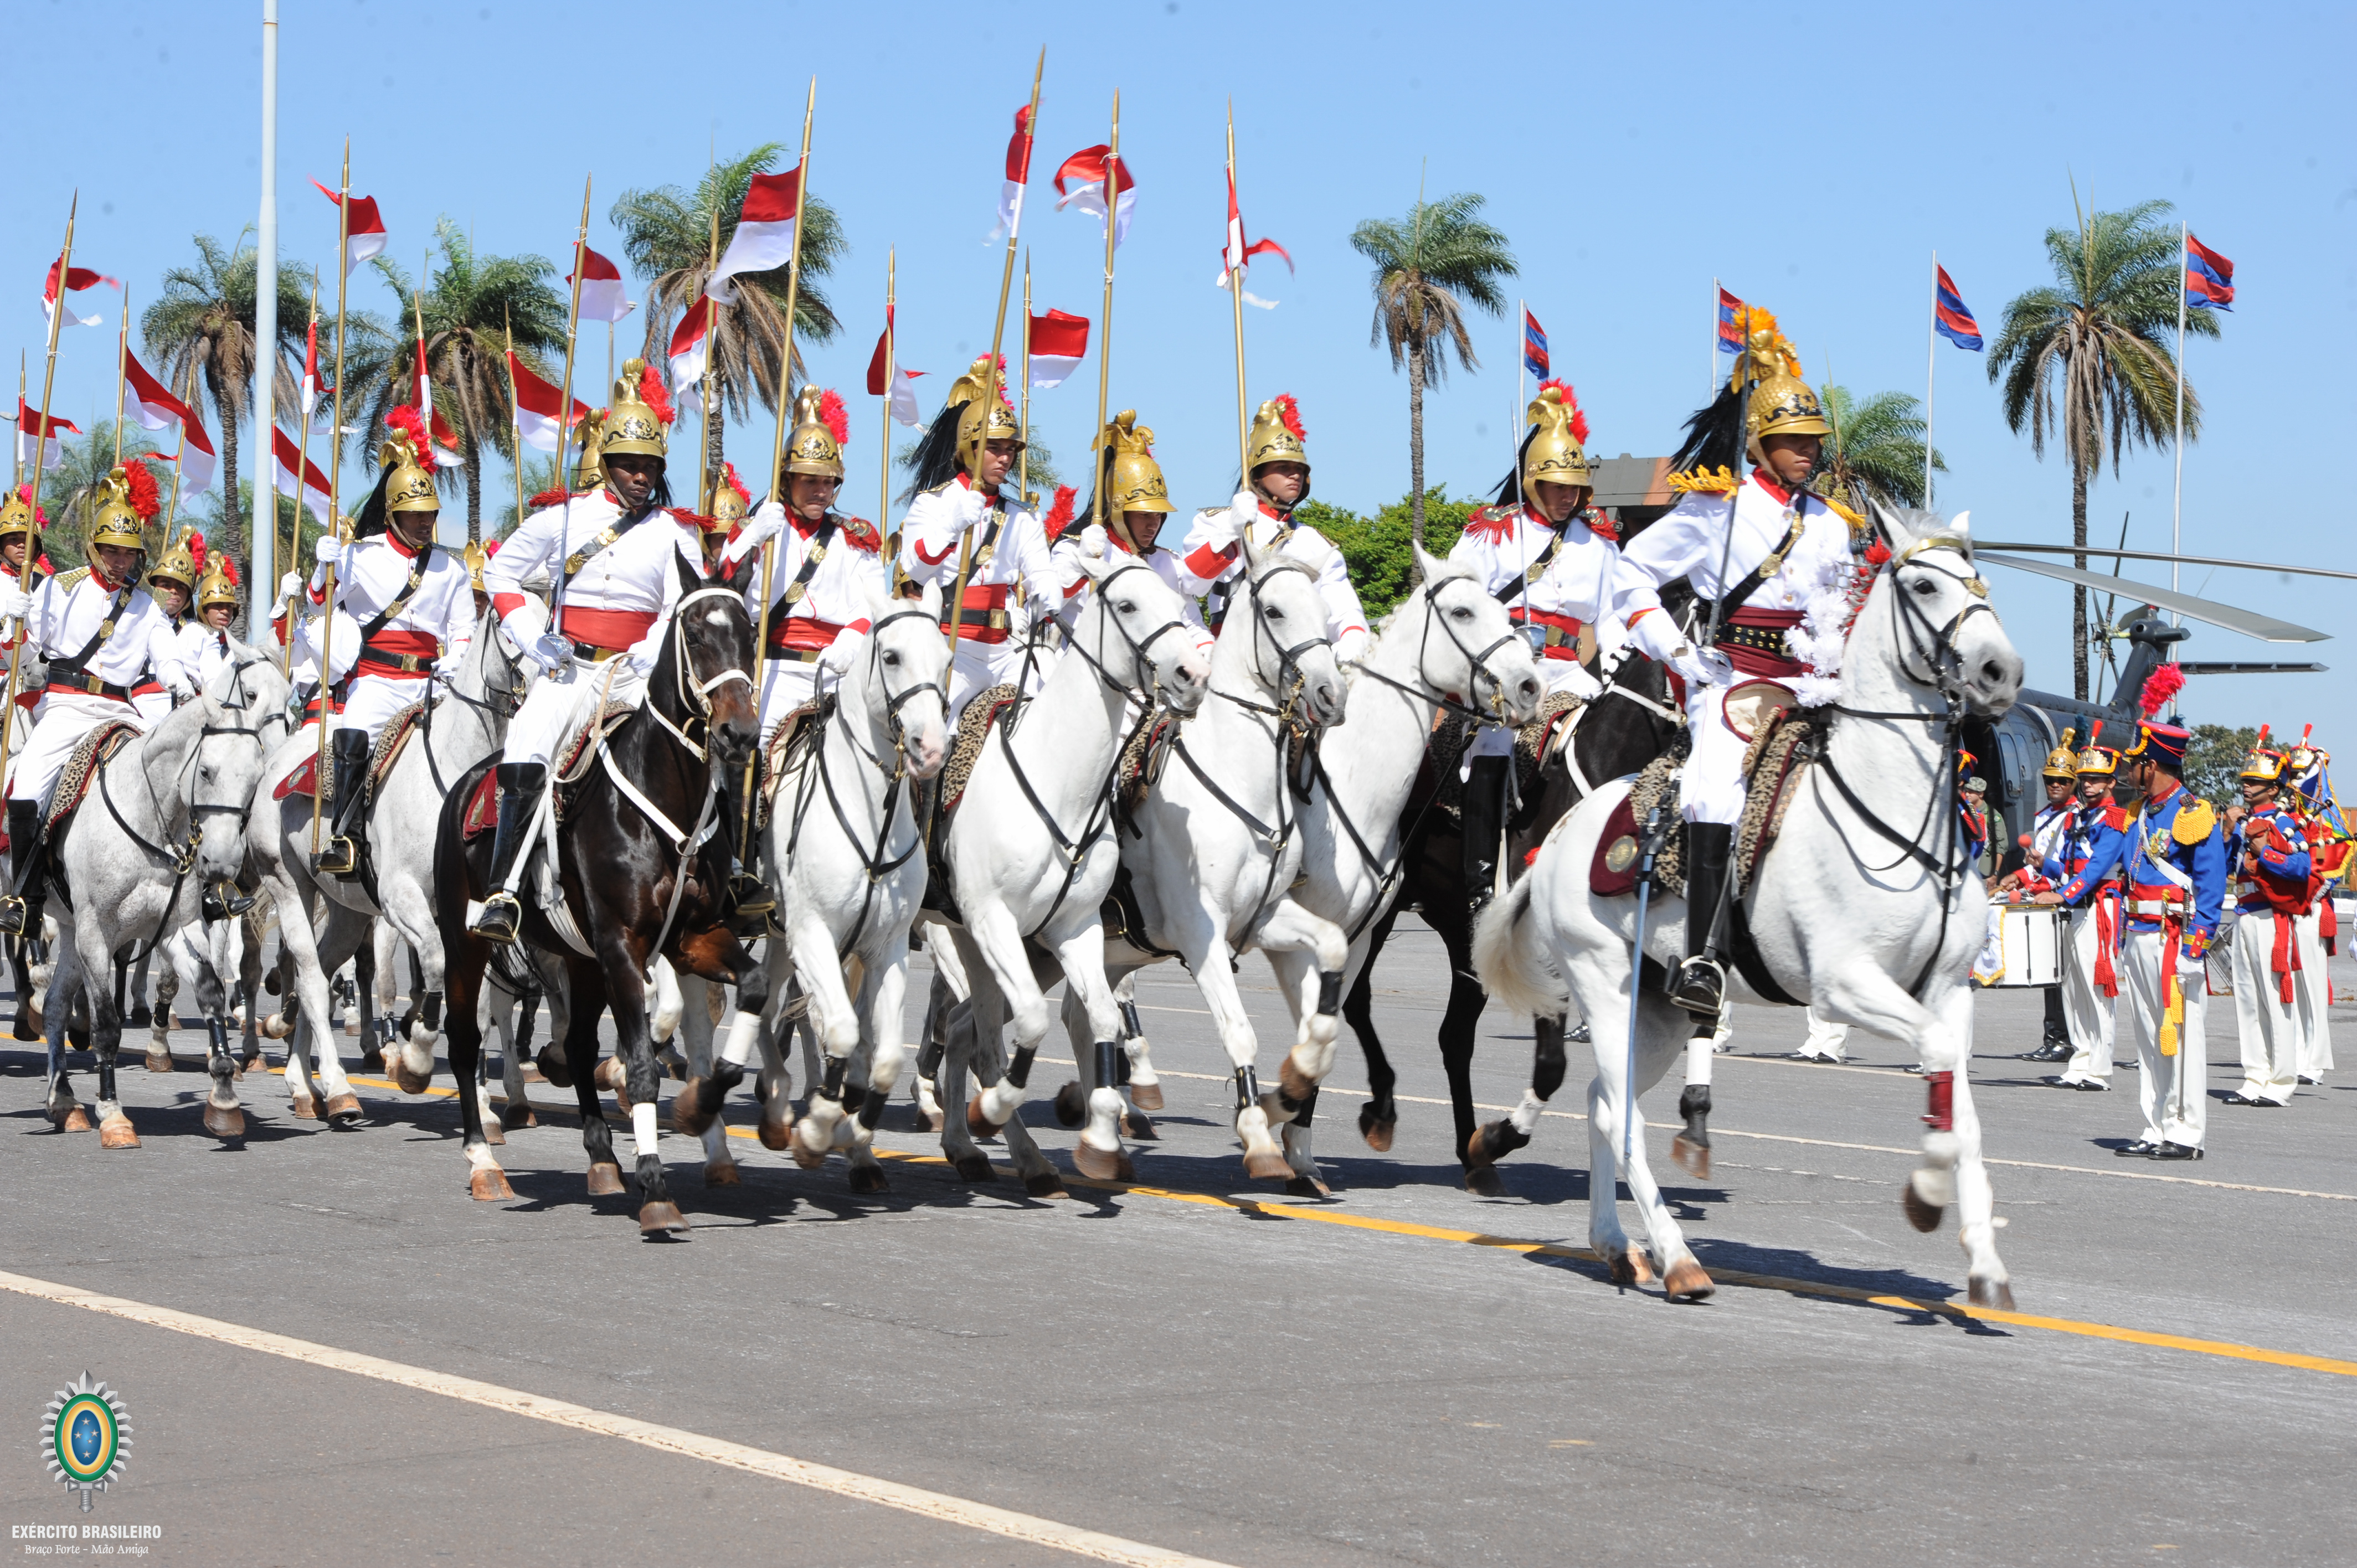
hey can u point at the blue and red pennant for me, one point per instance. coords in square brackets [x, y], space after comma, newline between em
[2209, 278]
[1730, 330]
[1951, 319]
[1535, 352]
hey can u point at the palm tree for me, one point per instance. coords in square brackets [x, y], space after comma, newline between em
[476, 306]
[667, 232]
[1423, 263]
[2100, 330]
[67, 489]
[201, 328]
[1876, 452]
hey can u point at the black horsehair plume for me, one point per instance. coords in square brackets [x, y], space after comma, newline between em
[1509, 488]
[1713, 436]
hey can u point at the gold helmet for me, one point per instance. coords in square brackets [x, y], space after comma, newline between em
[638, 423]
[181, 565]
[1276, 435]
[16, 516]
[820, 429]
[2061, 762]
[2097, 761]
[1559, 428]
[217, 585]
[974, 430]
[589, 471]
[2263, 766]
[1133, 480]
[124, 500]
[409, 472]
[731, 502]
[1782, 402]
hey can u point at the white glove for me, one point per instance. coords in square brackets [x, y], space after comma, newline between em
[548, 653]
[290, 585]
[1701, 666]
[1351, 644]
[1243, 510]
[329, 550]
[839, 654]
[178, 688]
[969, 506]
[445, 668]
[1580, 683]
[1094, 542]
[769, 520]
[14, 601]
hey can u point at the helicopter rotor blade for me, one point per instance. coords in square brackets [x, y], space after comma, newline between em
[2250, 623]
[1979, 545]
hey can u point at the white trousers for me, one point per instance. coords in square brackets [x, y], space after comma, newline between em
[2269, 1025]
[372, 699]
[2312, 990]
[785, 686]
[559, 703]
[2172, 1091]
[2086, 1011]
[1710, 788]
[150, 706]
[981, 665]
[65, 720]
[1825, 1038]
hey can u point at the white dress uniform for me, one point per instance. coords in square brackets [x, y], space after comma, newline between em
[2084, 864]
[1210, 558]
[624, 583]
[1689, 542]
[1011, 580]
[828, 577]
[2268, 860]
[127, 648]
[1570, 594]
[433, 621]
[1067, 551]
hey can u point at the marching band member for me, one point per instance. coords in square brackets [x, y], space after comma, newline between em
[2085, 867]
[1785, 540]
[1540, 553]
[103, 635]
[613, 557]
[2059, 775]
[1276, 483]
[171, 584]
[2308, 769]
[404, 617]
[2269, 857]
[2175, 870]
[961, 528]
[1137, 500]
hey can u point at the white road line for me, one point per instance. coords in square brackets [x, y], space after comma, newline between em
[667, 1439]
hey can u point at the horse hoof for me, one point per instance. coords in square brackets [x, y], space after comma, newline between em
[777, 1136]
[805, 1156]
[371, 1060]
[1686, 1282]
[1482, 1181]
[278, 1026]
[975, 1169]
[1097, 1165]
[116, 1133]
[224, 1123]
[1266, 1166]
[515, 1113]
[304, 1110]
[344, 1110]
[1376, 1130]
[723, 1174]
[1145, 1096]
[1498, 1139]
[928, 1123]
[1309, 1187]
[489, 1185]
[868, 1180]
[691, 1109]
[980, 1125]
[493, 1132]
[1631, 1268]
[409, 1082]
[1692, 1157]
[1994, 1293]
[1072, 1105]
[1044, 1184]
[553, 1067]
[159, 1061]
[605, 1179]
[74, 1120]
[1924, 1217]
[659, 1218]
[614, 1078]
[1135, 1125]
[250, 1064]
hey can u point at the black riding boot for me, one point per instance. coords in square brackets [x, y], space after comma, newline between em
[752, 908]
[340, 855]
[28, 867]
[1700, 984]
[1485, 813]
[520, 788]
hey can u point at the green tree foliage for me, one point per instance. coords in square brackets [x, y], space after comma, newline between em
[1380, 549]
[2213, 762]
[1876, 452]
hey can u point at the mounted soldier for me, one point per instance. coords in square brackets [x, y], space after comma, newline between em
[1757, 552]
[1137, 500]
[986, 549]
[1550, 562]
[1275, 482]
[172, 584]
[205, 642]
[103, 636]
[404, 618]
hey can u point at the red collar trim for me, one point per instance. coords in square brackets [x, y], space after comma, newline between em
[1783, 497]
[2159, 797]
[806, 529]
[964, 480]
[1269, 510]
[103, 580]
[401, 547]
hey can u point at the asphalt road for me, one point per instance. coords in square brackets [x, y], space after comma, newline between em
[1201, 1365]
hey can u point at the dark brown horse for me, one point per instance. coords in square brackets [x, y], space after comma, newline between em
[636, 885]
[1631, 722]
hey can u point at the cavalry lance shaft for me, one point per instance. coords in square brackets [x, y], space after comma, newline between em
[40, 453]
[1104, 327]
[1236, 288]
[335, 507]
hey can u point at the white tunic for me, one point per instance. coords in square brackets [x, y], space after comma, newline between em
[66, 612]
[1208, 557]
[840, 597]
[1019, 579]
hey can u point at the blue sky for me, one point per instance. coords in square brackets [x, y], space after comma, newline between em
[1814, 160]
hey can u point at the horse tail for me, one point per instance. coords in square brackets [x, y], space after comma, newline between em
[1511, 961]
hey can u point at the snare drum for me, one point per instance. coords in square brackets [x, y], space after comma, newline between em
[2033, 937]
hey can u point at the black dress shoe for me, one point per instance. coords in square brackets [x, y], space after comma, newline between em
[2178, 1152]
[2310, 1082]
[2084, 1085]
[2051, 1051]
[2239, 1098]
[2139, 1150]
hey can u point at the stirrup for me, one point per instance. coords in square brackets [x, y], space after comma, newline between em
[1699, 986]
[338, 857]
[501, 916]
[225, 901]
[12, 915]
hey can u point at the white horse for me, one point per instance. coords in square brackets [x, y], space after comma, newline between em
[461, 725]
[163, 822]
[1029, 861]
[846, 837]
[1867, 906]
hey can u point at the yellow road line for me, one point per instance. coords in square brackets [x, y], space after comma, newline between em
[935, 1505]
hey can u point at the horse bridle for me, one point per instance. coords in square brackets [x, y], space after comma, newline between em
[894, 700]
[1141, 649]
[1290, 682]
[1477, 665]
[694, 694]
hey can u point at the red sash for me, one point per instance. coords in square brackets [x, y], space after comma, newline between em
[1746, 627]
[617, 629]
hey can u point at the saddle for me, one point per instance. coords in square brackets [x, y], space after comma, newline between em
[482, 812]
[1780, 754]
[1455, 732]
[304, 778]
[91, 754]
[1143, 756]
[947, 787]
[790, 747]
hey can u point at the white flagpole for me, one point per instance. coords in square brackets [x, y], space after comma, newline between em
[1514, 444]
[2177, 498]
[266, 333]
[1931, 369]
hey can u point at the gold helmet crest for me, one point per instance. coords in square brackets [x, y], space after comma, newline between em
[1276, 435]
[217, 585]
[589, 468]
[975, 428]
[1781, 403]
[1132, 479]
[16, 516]
[180, 564]
[821, 428]
[1559, 428]
[638, 423]
[125, 499]
[409, 470]
[730, 501]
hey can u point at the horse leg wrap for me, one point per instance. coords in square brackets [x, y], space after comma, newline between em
[216, 1038]
[744, 1039]
[430, 1012]
[1547, 1063]
[1330, 992]
[871, 1107]
[1247, 1089]
[1694, 1104]
[1018, 1072]
[832, 1085]
[1113, 1065]
[1308, 1108]
[929, 1058]
[1941, 1116]
[1130, 1025]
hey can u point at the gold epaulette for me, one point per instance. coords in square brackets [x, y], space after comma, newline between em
[68, 581]
[1850, 515]
[2193, 823]
[1722, 483]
